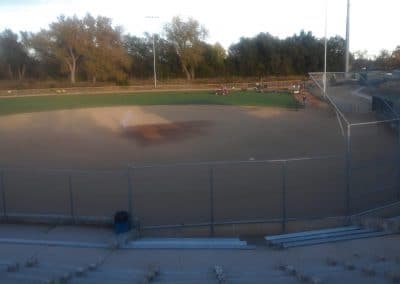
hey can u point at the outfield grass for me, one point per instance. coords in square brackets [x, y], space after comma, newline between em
[57, 102]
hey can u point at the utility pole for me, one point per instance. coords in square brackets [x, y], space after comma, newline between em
[347, 68]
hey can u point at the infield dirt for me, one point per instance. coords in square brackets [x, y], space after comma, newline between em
[112, 137]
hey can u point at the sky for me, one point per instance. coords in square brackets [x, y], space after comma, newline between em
[373, 23]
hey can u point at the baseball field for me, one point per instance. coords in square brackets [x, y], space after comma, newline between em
[70, 155]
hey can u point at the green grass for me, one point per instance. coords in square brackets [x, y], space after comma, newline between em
[57, 102]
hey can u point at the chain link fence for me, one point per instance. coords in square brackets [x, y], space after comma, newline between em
[199, 194]
[367, 113]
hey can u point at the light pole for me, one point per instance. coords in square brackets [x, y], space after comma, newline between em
[326, 45]
[154, 53]
[347, 68]
[154, 62]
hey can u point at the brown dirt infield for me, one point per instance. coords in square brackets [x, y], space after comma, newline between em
[112, 137]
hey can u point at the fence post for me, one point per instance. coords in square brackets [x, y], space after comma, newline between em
[348, 171]
[211, 180]
[284, 213]
[71, 198]
[3, 193]
[130, 194]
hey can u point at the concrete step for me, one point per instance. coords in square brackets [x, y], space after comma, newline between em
[187, 243]
[310, 237]
[334, 239]
[316, 233]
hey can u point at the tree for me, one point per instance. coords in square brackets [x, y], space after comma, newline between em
[167, 59]
[396, 58]
[187, 39]
[104, 57]
[68, 41]
[336, 54]
[13, 55]
[65, 41]
[383, 60]
[265, 54]
[90, 43]
[140, 51]
[361, 60]
[243, 58]
[46, 64]
[213, 63]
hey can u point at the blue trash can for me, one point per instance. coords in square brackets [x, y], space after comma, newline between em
[121, 222]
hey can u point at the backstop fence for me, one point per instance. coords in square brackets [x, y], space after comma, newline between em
[370, 124]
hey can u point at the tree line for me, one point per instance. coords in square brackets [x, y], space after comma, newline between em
[92, 49]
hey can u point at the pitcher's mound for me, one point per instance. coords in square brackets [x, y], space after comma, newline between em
[159, 133]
